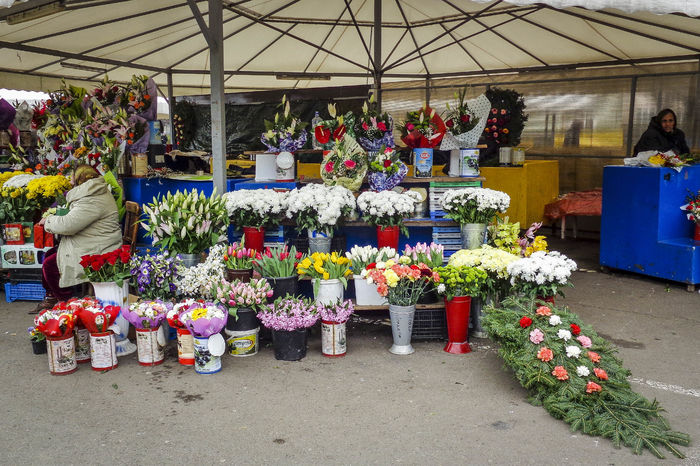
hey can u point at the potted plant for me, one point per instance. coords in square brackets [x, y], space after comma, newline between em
[318, 208]
[329, 273]
[156, 276]
[38, 340]
[146, 316]
[98, 321]
[374, 129]
[253, 210]
[473, 209]
[109, 275]
[243, 300]
[542, 275]
[57, 326]
[239, 262]
[361, 257]
[334, 316]
[402, 285]
[386, 170]
[278, 267]
[386, 210]
[459, 285]
[288, 318]
[345, 164]
[205, 320]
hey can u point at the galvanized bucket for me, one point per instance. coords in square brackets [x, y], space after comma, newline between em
[473, 235]
[401, 328]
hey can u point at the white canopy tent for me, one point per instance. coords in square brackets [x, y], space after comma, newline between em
[264, 44]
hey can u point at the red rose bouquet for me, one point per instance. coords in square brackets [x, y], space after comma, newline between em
[423, 128]
[97, 319]
[56, 322]
[110, 267]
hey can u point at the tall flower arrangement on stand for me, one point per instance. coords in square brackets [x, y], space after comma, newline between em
[286, 132]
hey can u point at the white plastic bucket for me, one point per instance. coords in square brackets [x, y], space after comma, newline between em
[366, 294]
[242, 343]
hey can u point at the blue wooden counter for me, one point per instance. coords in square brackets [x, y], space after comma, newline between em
[642, 227]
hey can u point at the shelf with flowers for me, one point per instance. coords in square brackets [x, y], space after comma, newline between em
[253, 210]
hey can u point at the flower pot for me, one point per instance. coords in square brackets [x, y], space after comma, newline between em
[185, 347]
[254, 238]
[476, 315]
[61, 351]
[457, 313]
[388, 237]
[401, 328]
[151, 346]
[243, 275]
[696, 232]
[282, 286]
[82, 345]
[246, 319]
[39, 347]
[329, 291]
[333, 341]
[190, 260]
[366, 294]
[473, 235]
[111, 294]
[204, 361]
[242, 343]
[429, 295]
[103, 351]
[289, 345]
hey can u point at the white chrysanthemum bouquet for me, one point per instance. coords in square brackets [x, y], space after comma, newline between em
[255, 207]
[542, 274]
[474, 205]
[319, 207]
[388, 208]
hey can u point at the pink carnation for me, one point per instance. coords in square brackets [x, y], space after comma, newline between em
[350, 164]
[536, 336]
[329, 167]
[585, 341]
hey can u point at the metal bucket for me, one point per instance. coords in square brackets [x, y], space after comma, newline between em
[103, 351]
[190, 260]
[151, 346]
[401, 328]
[329, 291]
[333, 341]
[61, 351]
[473, 235]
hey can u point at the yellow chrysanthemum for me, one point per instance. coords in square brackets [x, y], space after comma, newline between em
[198, 313]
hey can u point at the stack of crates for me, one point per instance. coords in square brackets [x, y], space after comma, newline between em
[448, 236]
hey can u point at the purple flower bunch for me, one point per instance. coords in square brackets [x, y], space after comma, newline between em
[289, 313]
[155, 276]
[337, 312]
[237, 294]
[146, 314]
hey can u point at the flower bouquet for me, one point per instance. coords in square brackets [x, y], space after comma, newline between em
[542, 275]
[474, 205]
[692, 207]
[205, 320]
[334, 316]
[197, 281]
[147, 316]
[345, 164]
[388, 209]
[57, 326]
[239, 295]
[185, 342]
[286, 133]
[330, 132]
[156, 276]
[99, 322]
[422, 129]
[318, 208]
[289, 317]
[187, 222]
[96, 318]
[113, 266]
[329, 273]
[401, 284]
[386, 170]
[374, 130]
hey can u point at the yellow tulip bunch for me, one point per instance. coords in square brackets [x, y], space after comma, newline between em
[324, 266]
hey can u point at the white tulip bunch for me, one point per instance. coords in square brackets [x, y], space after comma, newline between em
[361, 256]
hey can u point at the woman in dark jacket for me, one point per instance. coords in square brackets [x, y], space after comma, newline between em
[662, 135]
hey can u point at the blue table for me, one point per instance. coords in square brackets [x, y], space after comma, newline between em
[642, 227]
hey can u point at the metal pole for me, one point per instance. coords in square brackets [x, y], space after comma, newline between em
[218, 113]
[427, 91]
[378, 52]
[630, 118]
[171, 109]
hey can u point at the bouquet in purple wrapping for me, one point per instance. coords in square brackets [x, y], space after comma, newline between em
[286, 132]
[374, 130]
[204, 319]
[386, 171]
[146, 314]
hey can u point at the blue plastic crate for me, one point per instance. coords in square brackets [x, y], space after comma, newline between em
[25, 291]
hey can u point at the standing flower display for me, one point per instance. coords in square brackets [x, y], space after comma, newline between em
[330, 132]
[155, 276]
[329, 273]
[147, 316]
[374, 129]
[386, 170]
[542, 275]
[506, 120]
[286, 132]
[473, 209]
[334, 316]
[344, 164]
[205, 320]
[387, 210]
[253, 210]
[289, 317]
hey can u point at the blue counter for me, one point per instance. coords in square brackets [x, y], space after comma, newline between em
[642, 227]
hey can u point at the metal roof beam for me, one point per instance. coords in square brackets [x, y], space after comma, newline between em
[359, 33]
[413, 37]
[396, 45]
[200, 21]
[461, 45]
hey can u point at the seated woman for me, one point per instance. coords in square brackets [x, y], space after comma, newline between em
[662, 135]
[91, 226]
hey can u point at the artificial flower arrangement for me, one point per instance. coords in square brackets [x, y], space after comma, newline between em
[237, 295]
[238, 257]
[386, 170]
[258, 208]
[285, 133]
[324, 266]
[422, 129]
[460, 281]
[401, 284]
[113, 266]
[338, 312]
[387, 208]
[329, 132]
[692, 207]
[574, 374]
[542, 275]
[474, 205]
[361, 256]
[317, 207]
[506, 119]
[147, 314]
[203, 318]
[345, 164]
[198, 281]
[374, 129]
[431, 254]
[187, 222]
[155, 276]
[289, 313]
[278, 262]
[491, 260]
[56, 322]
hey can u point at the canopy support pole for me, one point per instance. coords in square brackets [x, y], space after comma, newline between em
[171, 109]
[630, 121]
[378, 53]
[218, 98]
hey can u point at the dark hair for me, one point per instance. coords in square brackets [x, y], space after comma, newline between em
[665, 112]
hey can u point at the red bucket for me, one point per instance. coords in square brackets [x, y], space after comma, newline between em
[185, 347]
[61, 352]
[457, 314]
[388, 237]
[254, 238]
[151, 346]
[103, 351]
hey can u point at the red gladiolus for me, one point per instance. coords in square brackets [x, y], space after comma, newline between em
[350, 164]
[381, 126]
[575, 329]
[525, 322]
